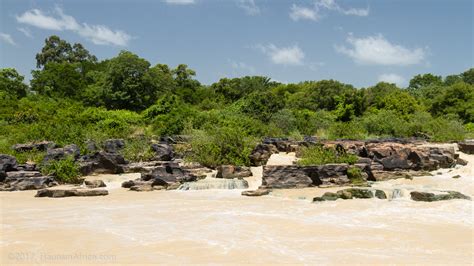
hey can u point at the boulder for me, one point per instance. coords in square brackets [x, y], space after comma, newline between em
[466, 147]
[29, 183]
[15, 175]
[28, 167]
[163, 151]
[113, 145]
[167, 174]
[102, 162]
[328, 196]
[256, 193]
[61, 193]
[231, 171]
[38, 146]
[141, 188]
[445, 195]
[7, 163]
[94, 183]
[351, 193]
[261, 153]
[61, 153]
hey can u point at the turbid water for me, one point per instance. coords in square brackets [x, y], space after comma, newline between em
[220, 226]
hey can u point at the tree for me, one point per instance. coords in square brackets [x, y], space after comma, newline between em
[60, 51]
[457, 99]
[128, 84]
[186, 85]
[420, 81]
[58, 80]
[468, 76]
[11, 83]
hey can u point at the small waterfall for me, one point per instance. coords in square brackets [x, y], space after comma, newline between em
[215, 183]
[399, 193]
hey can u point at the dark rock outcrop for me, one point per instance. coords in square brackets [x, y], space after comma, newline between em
[231, 171]
[466, 147]
[61, 153]
[61, 193]
[28, 183]
[113, 145]
[38, 146]
[445, 195]
[102, 162]
[351, 193]
[7, 163]
[163, 151]
[261, 153]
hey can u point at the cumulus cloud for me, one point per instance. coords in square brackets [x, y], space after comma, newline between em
[315, 11]
[301, 13]
[291, 55]
[98, 34]
[376, 50]
[180, 2]
[392, 78]
[249, 7]
[7, 38]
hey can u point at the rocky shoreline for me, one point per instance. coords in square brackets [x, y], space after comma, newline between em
[378, 160]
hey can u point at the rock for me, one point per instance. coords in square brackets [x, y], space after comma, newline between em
[29, 183]
[429, 197]
[7, 163]
[163, 151]
[141, 188]
[388, 175]
[380, 194]
[231, 171]
[38, 146]
[113, 145]
[61, 153]
[102, 162]
[461, 162]
[60, 193]
[328, 196]
[294, 176]
[91, 146]
[94, 183]
[167, 174]
[466, 147]
[456, 176]
[261, 153]
[128, 184]
[27, 167]
[256, 193]
[15, 175]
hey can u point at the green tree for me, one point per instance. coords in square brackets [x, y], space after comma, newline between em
[11, 83]
[58, 80]
[424, 80]
[457, 99]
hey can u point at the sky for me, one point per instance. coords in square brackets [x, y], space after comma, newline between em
[356, 42]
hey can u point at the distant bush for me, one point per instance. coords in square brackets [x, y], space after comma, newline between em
[137, 150]
[65, 170]
[355, 175]
[347, 130]
[318, 155]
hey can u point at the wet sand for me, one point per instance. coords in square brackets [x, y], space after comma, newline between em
[220, 226]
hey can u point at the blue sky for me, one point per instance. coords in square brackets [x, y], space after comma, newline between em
[356, 42]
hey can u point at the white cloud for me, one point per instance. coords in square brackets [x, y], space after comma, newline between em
[98, 34]
[300, 13]
[393, 78]
[291, 55]
[249, 6]
[241, 66]
[376, 50]
[180, 2]
[26, 32]
[315, 12]
[7, 38]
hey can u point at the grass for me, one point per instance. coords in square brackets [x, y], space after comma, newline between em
[318, 155]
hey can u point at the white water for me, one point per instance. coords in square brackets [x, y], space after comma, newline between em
[220, 226]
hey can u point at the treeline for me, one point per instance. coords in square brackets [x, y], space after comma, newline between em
[73, 98]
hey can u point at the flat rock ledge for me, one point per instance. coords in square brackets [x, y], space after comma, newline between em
[256, 193]
[61, 193]
[352, 193]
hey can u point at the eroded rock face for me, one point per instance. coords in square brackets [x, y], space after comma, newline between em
[38, 146]
[103, 162]
[466, 147]
[94, 183]
[231, 171]
[261, 153]
[113, 145]
[61, 193]
[61, 153]
[444, 195]
[294, 176]
[28, 183]
[7, 163]
[163, 151]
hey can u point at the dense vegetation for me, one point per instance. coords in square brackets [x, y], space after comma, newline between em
[73, 98]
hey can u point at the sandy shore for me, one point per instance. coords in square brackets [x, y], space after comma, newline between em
[220, 226]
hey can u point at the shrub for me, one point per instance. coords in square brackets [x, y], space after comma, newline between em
[65, 170]
[222, 145]
[385, 123]
[318, 155]
[347, 130]
[355, 175]
[138, 149]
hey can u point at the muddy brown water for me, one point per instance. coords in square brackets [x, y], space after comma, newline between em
[220, 226]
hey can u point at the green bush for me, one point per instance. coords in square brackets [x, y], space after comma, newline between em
[347, 130]
[137, 150]
[222, 145]
[65, 170]
[355, 175]
[318, 155]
